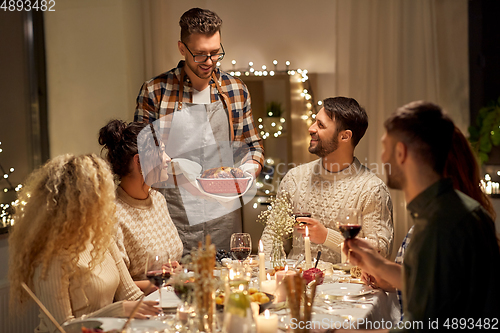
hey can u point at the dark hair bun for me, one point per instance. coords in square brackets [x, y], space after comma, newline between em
[112, 134]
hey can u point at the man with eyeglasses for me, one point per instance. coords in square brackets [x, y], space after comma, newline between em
[198, 107]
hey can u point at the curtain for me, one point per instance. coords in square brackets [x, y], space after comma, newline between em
[391, 52]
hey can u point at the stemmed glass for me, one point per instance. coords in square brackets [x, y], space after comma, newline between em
[241, 246]
[349, 222]
[158, 271]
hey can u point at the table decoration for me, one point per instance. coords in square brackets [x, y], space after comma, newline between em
[279, 221]
[262, 263]
[300, 300]
[238, 317]
[267, 323]
[280, 284]
[307, 249]
[268, 286]
[204, 285]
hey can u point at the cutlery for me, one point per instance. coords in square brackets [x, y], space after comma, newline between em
[317, 259]
[44, 309]
[299, 260]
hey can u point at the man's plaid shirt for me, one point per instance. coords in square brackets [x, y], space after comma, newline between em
[158, 96]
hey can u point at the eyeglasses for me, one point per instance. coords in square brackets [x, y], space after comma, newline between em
[200, 58]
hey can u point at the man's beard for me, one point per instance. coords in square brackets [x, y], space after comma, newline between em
[395, 177]
[323, 150]
[196, 70]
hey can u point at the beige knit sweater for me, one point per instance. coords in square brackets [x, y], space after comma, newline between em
[323, 193]
[67, 299]
[145, 226]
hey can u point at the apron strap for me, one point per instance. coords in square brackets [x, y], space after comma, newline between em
[181, 90]
[227, 104]
[219, 89]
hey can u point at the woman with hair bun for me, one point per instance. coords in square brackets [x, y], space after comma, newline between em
[138, 159]
[62, 244]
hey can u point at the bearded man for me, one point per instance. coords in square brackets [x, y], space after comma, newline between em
[337, 180]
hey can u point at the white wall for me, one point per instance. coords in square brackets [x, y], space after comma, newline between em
[94, 69]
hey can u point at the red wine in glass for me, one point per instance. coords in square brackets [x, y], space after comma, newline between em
[349, 223]
[349, 230]
[240, 245]
[158, 278]
[241, 253]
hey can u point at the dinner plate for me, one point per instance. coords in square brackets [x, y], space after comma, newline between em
[169, 298]
[344, 289]
[109, 323]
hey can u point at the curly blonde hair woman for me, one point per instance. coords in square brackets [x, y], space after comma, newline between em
[62, 244]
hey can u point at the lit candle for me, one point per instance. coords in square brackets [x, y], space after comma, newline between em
[342, 254]
[262, 264]
[267, 323]
[280, 284]
[268, 286]
[307, 246]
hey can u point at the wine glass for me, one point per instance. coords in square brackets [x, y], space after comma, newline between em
[349, 222]
[158, 271]
[241, 246]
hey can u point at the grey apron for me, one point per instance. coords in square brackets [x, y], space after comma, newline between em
[201, 133]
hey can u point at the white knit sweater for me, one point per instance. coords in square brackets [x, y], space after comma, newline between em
[145, 226]
[99, 296]
[323, 193]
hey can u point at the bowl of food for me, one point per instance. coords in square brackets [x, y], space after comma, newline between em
[224, 180]
[264, 300]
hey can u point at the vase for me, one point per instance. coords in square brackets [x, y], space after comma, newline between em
[278, 254]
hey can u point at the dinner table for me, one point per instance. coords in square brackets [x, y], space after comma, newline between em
[341, 301]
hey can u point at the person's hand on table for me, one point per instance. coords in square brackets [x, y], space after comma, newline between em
[364, 255]
[146, 309]
[371, 281]
[317, 231]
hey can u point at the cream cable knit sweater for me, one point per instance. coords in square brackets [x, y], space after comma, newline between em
[322, 193]
[67, 299]
[144, 226]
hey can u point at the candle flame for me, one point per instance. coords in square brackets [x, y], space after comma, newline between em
[286, 268]
[307, 231]
[266, 314]
[261, 246]
[268, 276]
[241, 287]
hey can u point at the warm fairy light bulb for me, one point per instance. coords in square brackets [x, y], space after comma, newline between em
[287, 63]
[264, 67]
[11, 169]
[320, 102]
[271, 73]
[250, 64]
[233, 62]
[275, 62]
[218, 63]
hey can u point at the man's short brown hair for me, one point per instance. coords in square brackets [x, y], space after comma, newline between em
[425, 129]
[199, 21]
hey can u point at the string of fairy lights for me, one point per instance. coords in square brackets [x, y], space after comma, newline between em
[275, 128]
[7, 209]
